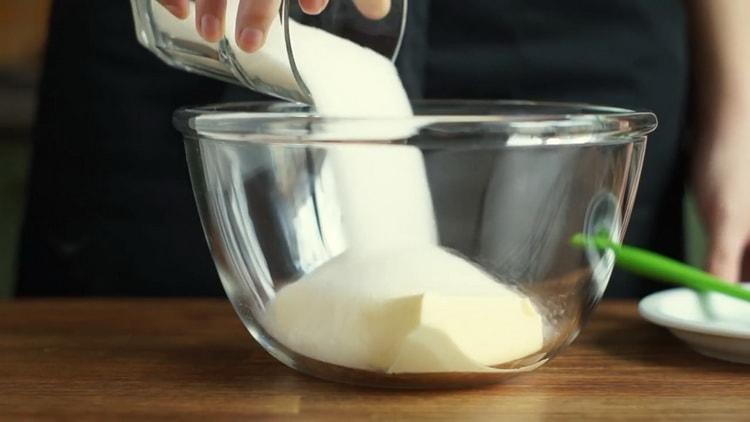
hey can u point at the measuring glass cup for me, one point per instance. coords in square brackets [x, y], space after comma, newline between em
[272, 70]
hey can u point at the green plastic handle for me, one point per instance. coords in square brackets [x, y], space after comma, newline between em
[658, 267]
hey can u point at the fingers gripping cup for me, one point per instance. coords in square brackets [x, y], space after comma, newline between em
[293, 46]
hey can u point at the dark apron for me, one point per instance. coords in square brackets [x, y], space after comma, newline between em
[110, 210]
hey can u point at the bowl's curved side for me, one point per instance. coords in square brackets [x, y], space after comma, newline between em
[510, 211]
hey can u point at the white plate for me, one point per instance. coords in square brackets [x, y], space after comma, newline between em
[713, 324]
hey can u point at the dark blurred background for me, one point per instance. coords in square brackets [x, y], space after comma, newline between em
[23, 26]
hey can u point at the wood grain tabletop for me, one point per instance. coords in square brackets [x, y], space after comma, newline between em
[72, 359]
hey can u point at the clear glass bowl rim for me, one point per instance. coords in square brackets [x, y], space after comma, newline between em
[598, 124]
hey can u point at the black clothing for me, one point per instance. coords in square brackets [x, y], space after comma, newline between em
[110, 209]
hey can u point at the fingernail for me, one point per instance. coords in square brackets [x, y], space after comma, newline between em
[250, 39]
[316, 6]
[210, 27]
[176, 11]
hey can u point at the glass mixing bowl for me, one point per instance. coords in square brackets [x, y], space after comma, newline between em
[283, 193]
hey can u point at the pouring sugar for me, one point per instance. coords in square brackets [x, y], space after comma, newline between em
[394, 301]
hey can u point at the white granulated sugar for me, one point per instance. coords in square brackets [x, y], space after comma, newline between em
[394, 301]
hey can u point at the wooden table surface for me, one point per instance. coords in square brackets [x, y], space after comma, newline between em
[152, 359]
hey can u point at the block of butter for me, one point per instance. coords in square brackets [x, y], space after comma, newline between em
[466, 334]
[405, 311]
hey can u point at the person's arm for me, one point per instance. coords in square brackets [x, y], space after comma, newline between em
[721, 158]
[254, 17]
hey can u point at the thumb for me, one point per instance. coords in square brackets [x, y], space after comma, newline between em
[725, 251]
[179, 8]
[374, 9]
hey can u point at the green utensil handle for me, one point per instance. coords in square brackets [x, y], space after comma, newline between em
[658, 267]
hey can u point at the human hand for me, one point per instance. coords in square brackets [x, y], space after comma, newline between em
[254, 17]
[721, 180]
